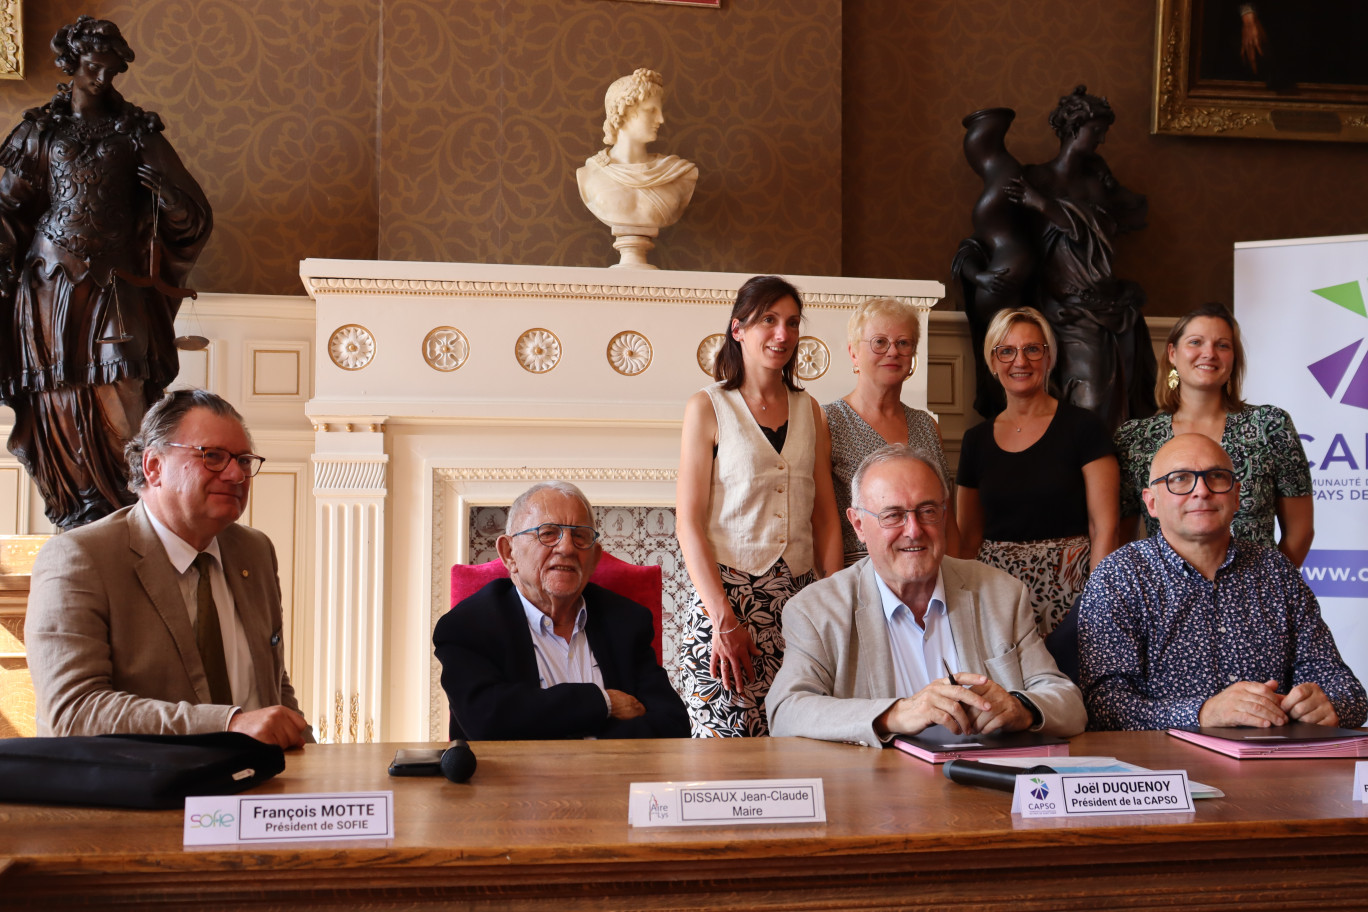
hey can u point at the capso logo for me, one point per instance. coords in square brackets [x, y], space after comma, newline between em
[209, 821]
[1331, 370]
[1041, 790]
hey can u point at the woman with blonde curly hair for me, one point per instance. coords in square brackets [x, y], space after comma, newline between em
[882, 338]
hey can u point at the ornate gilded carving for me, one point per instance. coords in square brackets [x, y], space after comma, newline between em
[537, 350]
[707, 352]
[629, 353]
[12, 39]
[351, 347]
[445, 348]
[813, 358]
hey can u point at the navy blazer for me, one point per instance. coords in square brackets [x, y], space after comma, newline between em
[489, 672]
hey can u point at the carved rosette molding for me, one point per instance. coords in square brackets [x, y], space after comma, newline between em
[813, 358]
[319, 285]
[707, 352]
[629, 353]
[537, 350]
[350, 427]
[351, 347]
[445, 348]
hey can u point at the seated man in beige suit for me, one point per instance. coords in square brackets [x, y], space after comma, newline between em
[164, 618]
[867, 649]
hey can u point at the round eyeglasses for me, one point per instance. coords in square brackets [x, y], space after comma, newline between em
[928, 514]
[549, 534]
[1033, 352]
[216, 459]
[879, 345]
[1184, 481]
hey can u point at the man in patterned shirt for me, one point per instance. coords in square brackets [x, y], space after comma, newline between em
[1193, 627]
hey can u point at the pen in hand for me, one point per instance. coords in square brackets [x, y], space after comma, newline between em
[948, 673]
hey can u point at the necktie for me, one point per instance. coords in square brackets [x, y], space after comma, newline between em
[209, 637]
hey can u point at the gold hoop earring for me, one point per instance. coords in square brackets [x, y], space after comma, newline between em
[1173, 378]
[913, 368]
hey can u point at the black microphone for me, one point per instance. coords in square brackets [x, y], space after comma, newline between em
[988, 775]
[458, 761]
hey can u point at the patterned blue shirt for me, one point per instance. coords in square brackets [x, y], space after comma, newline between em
[1156, 639]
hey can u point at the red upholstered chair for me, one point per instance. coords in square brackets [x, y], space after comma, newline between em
[642, 585]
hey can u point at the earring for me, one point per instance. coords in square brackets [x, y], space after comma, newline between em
[854, 368]
[1173, 378]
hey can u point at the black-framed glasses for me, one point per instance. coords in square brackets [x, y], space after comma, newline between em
[1184, 481]
[216, 459]
[928, 514]
[879, 344]
[549, 534]
[1033, 352]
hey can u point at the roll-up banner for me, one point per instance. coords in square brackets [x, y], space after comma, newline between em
[1301, 307]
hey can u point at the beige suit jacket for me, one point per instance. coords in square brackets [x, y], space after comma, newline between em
[838, 674]
[110, 644]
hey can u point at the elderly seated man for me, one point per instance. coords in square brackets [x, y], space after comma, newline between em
[1192, 627]
[866, 647]
[546, 654]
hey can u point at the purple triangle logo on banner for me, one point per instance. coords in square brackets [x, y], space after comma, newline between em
[1329, 370]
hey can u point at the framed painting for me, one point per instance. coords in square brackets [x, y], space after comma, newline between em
[11, 39]
[1266, 69]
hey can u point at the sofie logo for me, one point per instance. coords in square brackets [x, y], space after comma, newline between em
[209, 821]
[1330, 371]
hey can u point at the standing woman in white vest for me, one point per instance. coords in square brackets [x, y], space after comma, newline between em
[755, 511]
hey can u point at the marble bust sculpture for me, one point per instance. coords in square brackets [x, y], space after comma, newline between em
[633, 191]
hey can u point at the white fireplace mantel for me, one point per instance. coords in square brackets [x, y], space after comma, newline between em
[444, 386]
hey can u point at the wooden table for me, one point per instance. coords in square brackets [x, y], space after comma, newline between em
[544, 826]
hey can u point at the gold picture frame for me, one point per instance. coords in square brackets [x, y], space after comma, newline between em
[11, 39]
[1195, 97]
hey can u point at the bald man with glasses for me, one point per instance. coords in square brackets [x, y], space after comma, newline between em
[546, 654]
[1194, 627]
[908, 638]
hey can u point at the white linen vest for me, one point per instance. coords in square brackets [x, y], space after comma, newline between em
[760, 507]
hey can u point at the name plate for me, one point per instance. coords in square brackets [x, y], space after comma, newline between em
[226, 819]
[1361, 781]
[656, 804]
[1089, 795]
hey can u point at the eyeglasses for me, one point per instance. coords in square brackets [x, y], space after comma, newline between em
[928, 514]
[216, 459]
[1007, 353]
[549, 534]
[879, 344]
[1184, 481]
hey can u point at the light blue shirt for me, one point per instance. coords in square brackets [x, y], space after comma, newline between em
[919, 653]
[559, 661]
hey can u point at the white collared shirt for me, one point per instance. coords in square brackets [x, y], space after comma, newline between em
[919, 653]
[558, 661]
[236, 654]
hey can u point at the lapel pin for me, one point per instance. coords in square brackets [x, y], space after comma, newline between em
[245, 574]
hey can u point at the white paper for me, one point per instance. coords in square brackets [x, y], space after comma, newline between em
[1361, 781]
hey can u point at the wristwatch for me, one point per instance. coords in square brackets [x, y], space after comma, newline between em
[1037, 718]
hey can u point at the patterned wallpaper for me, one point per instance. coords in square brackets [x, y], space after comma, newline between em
[827, 132]
[488, 108]
[913, 70]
